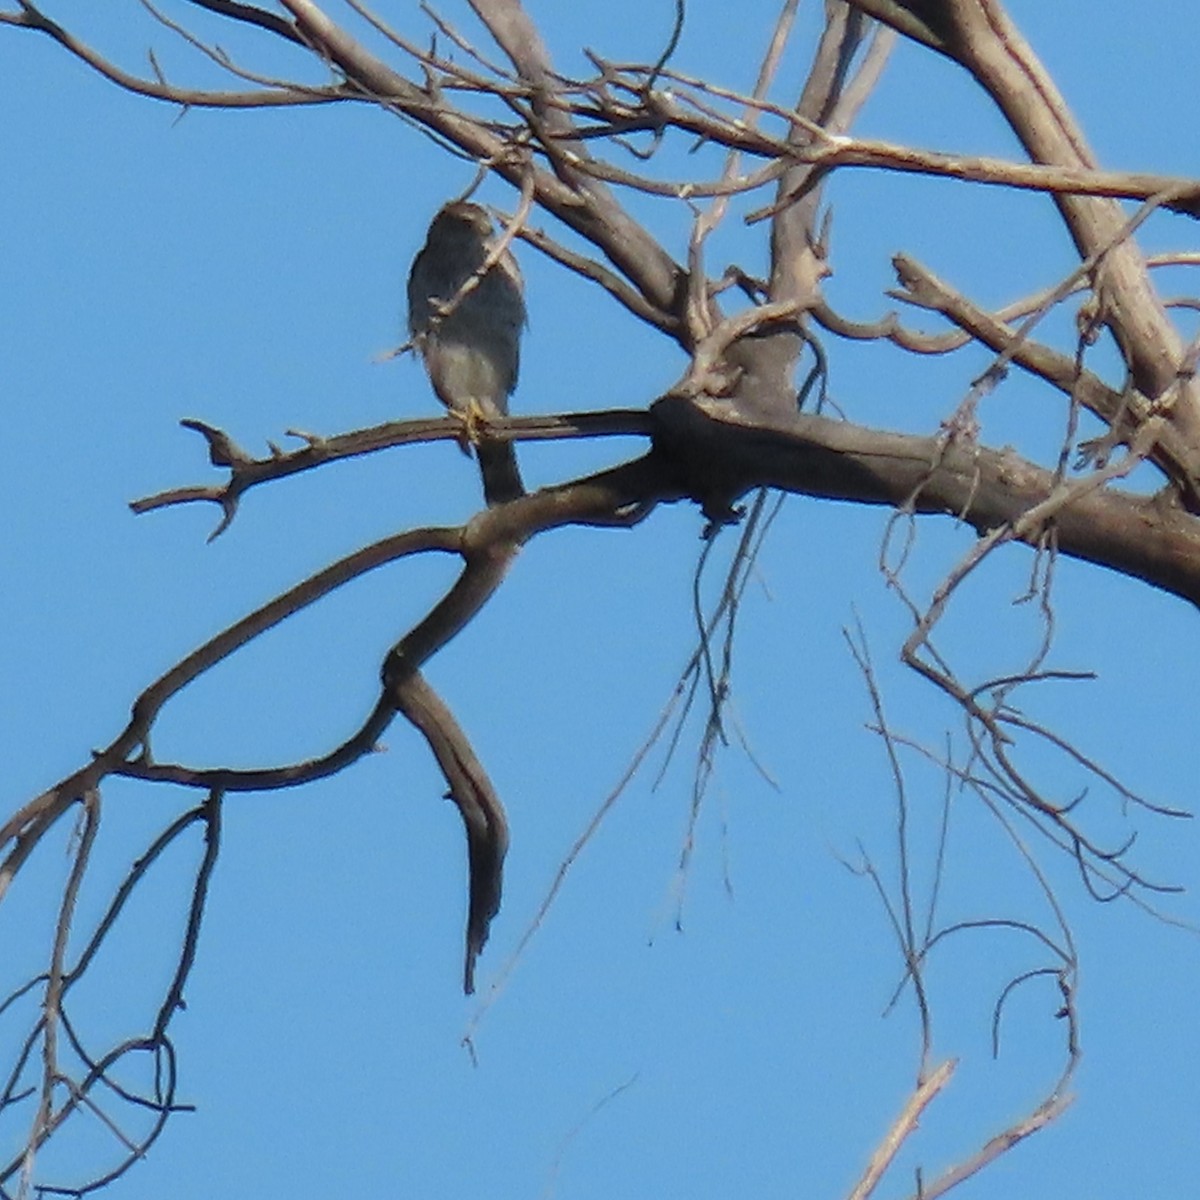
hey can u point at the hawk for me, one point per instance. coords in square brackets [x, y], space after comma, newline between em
[472, 351]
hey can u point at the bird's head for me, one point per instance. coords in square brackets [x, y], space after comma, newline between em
[461, 219]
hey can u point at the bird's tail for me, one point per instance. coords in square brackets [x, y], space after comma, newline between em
[501, 476]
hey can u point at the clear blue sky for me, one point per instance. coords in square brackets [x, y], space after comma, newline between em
[247, 269]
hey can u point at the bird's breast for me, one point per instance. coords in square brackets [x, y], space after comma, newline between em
[462, 374]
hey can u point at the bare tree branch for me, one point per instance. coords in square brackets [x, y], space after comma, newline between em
[589, 153]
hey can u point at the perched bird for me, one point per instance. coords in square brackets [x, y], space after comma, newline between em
[467, 329]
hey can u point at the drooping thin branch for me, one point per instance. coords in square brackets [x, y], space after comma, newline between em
[904, 916]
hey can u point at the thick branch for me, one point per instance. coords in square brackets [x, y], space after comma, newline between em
[250, 15]
[476, 800]
[721, 456]
[247, 472]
